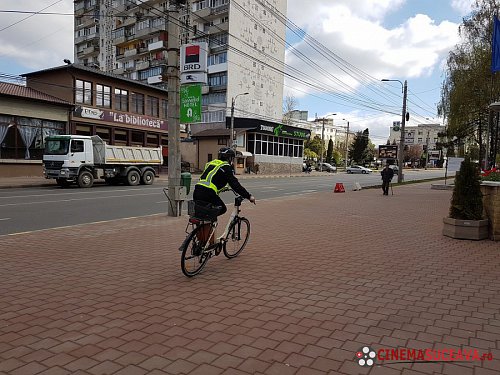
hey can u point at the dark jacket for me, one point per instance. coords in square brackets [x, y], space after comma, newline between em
[387, 174]
[225, 176]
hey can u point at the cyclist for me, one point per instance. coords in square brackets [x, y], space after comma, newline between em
[217, 174]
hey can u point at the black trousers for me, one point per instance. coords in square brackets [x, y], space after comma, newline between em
[204, 194]
[385, 186]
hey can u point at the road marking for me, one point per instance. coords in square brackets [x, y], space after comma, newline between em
[7, 218]
[76, 199]
[89, 191]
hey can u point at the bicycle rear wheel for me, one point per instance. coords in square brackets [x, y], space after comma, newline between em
[237, 237]
[192, 259]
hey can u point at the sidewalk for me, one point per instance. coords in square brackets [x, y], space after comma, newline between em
[322, 276]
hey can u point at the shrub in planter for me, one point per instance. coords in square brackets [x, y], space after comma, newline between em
[467, 199]
[466, 208]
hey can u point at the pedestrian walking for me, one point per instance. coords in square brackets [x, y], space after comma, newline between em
[387, 175]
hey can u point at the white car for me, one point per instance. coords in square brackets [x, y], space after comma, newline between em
[358, 169]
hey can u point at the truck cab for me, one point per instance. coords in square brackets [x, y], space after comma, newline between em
[64, 155]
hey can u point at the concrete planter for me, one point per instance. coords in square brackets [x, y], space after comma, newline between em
[491, 204]
[465, 229]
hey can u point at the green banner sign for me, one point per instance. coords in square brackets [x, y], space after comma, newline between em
[190, 106]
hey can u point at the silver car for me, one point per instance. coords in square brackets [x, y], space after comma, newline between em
[358, 169]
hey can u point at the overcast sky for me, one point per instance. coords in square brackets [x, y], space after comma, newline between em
[369, 39]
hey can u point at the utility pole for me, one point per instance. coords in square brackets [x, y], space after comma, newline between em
[174, 145]
[426, 150]
[346, 145]
[404, 89]
[232, 140]
[322, 144]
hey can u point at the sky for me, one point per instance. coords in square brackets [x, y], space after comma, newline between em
[337, 53]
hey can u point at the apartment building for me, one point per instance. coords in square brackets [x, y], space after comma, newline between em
[246, 48]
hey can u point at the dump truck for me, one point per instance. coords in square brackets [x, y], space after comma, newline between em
[83, 159]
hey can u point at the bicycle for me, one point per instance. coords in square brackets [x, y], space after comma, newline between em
[196, 250]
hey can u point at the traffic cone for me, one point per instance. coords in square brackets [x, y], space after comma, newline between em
[339, 188]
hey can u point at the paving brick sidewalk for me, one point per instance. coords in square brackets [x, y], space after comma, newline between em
[323, 275]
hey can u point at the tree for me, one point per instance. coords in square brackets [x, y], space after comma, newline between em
[329, 151]
[358, 151]
[469, 85]
[315, 145]
[290, 104]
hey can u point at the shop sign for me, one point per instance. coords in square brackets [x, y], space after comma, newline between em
[284, 131]
[190, 108]
[388, 151]
[121, 118]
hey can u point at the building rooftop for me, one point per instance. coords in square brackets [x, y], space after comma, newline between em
[12, 89]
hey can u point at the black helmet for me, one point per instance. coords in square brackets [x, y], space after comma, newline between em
[226, 153]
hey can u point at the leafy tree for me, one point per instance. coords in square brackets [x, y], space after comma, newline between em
[315, 145]
[308, 154]
[469, 85]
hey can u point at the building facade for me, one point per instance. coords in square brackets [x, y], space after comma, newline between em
[27, 117]
[119, 110]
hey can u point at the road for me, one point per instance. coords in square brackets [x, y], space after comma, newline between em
[37, 208]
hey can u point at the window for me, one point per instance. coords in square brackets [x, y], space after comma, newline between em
[218, 79]
[121, 137]
[104, 133]
[137, 138]
[76, 146]
[103, 96]
[164, 109]
[83, 92]
[137, 103]
[153, 106]
[121, 100]
[222, 141]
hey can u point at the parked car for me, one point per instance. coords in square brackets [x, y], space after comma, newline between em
[327, 167]
[358, 169]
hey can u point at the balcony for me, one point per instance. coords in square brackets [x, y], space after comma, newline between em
[119, 71]
[161, 44]
[154, 79]
[130, 52]
[142, 65]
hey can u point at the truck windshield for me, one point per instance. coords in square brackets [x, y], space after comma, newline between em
[56, 146]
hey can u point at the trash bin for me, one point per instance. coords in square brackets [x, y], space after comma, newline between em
[186, 181]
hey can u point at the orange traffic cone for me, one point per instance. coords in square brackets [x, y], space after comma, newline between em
[339, 188]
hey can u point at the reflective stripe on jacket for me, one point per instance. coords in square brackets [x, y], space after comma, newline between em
[212, 168]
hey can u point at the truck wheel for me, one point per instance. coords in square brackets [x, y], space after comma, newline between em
[133, 178]
[85, 179]
[62, 182]
[148, 178]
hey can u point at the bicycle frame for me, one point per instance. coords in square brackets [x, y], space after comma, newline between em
[213, 225]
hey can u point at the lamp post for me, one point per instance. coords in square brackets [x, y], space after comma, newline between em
[231, 137]
[323, 140]
[346, 144]
[404, 90]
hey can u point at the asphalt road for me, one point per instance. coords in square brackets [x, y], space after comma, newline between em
[31, 209]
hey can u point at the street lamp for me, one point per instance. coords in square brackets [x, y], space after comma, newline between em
[323, 140]
[231, 137]
[346, 144]
[404, 90]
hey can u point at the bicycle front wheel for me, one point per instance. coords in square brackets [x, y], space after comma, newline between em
[193, 260]
[237, 237]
